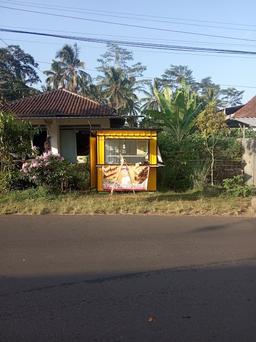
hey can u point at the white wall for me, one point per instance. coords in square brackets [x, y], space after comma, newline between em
[249, 158]
[53, 127]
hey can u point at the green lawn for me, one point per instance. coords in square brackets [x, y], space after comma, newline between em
[39, 202]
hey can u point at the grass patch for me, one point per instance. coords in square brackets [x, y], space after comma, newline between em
[40, 202]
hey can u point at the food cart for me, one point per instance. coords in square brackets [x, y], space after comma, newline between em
[123, 159]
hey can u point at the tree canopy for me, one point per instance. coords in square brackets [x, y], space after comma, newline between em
[18, 73]
[119, 81]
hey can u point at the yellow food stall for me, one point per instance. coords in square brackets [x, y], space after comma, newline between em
[123, 159]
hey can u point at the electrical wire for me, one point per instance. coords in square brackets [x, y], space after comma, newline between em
[128, 25]
[129, 14]
[172, 22]
[166, 47]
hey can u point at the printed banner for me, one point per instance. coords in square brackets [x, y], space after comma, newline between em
[125, 177]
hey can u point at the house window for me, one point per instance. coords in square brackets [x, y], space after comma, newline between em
[132, 150]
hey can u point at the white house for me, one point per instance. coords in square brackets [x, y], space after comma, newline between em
[64, 120]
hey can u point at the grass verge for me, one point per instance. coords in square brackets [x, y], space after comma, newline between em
[38, 202]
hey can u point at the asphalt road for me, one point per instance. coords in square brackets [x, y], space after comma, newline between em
[127, 278]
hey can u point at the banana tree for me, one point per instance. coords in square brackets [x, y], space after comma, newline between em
[177, 111]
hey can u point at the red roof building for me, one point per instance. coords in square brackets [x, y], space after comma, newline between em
[65, 120]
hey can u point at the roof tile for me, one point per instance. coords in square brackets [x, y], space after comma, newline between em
[58, 103]
[248, 110]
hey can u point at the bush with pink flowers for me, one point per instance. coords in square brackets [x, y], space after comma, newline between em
[51, 171]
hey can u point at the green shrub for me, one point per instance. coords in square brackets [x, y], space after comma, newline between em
[81, 177]
[185, 166]
[236, 186]
[55, 173]
[13, 180]
[15, 140]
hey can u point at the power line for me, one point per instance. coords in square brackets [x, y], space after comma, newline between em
[184, 53]
[132, 37]
[128, 25]
[134, 17]
[166, 47]
[4, 42]
[138, 15]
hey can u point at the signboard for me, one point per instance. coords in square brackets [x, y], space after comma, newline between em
[125, 177]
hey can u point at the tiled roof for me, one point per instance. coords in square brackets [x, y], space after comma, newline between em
[58, 103]
[248, 110]
[232, 110]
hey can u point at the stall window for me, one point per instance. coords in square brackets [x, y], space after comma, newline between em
[132, 150]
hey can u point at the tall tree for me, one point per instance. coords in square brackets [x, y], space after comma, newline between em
[67, 70]
[209, 91]
[120, 58]
[17, 73]
[120, 80]
[231, 97]
[55, 76]
[175, 75]
[212, 125]
[150, 99]
[119, 90]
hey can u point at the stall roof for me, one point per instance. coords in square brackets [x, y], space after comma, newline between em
[128, 129]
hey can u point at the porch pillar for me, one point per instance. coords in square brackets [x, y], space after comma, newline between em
[54, 133]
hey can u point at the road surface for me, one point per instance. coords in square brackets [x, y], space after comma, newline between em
[127, 278]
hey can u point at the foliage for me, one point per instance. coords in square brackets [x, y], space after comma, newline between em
[67, 70]
[177, 112]
[150, 100]
[54, 78]
[185, 163]
[13, 180]
[231, 97]
[212, 126]
[119, 90]
[175, 75]
[236, 186]
[54, 173]
[206, 89]
[15, 140]
[120, 80]
[120, 58]
[39, 201]
[17, 73]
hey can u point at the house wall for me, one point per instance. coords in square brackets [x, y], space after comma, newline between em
[53, 127]
[249, 158]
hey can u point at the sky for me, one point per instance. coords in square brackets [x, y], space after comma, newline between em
[235, 20]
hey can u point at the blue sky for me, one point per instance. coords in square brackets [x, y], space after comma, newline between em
[225, 18]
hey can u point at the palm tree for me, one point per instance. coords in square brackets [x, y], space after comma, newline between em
[150, 100]
[71, 64]
[67, 70]
[119, 90]
[55, 76]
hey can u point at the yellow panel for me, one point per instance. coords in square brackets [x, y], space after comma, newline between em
[152, 179]
[153, 151]
[100, 179]
[126, 134]
[93, 156]
[100, 150]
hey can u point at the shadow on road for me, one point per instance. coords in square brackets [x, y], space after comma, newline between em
[227, 225]
[216, 303]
